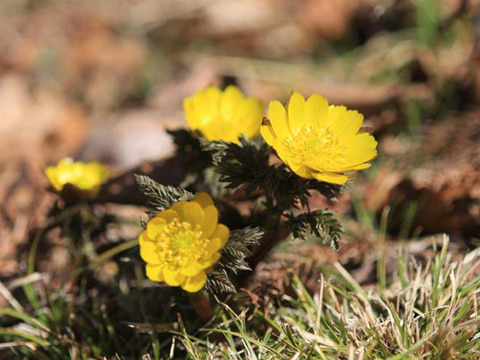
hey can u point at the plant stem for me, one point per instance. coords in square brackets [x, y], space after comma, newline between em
[201, 305]
[267, 244]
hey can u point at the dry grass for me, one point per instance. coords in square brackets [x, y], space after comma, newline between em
[425, 312]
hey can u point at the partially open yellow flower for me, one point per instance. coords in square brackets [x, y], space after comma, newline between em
[223, 115]
[318, 140]
[77, 179]
[181, 243]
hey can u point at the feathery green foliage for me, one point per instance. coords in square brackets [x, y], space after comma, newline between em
[233, 260]
[247, 164]
[161, 197]
[321, 223]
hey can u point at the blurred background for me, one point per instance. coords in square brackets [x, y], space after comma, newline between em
[104, 79]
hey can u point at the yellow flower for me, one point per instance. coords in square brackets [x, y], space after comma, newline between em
[182, 243]
[318, 140]
[77, 179]
[223, 115]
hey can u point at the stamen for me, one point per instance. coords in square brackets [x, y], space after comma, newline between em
[179, 243]
[317, 148]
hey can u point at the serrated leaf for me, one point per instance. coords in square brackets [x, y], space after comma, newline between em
[233, 259]
[161, 197]
[321, 223]
[218, 283]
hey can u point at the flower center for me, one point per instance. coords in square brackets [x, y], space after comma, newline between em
[182, 240]
[316, 148]
[180, 243]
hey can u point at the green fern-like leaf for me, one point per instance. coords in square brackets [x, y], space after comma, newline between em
[161, 197]
[245, 163]
[218, 282]
[233, 259]
[321, 223]
[238, 249]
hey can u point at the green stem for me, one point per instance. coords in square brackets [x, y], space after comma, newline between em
[105, 256]
[381, 262]
[112, 252]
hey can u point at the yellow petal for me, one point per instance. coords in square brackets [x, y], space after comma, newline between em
[250, 116]
[83, 176]
[51, 173]
[358, 167]
[208, 262]
[210, 222]
[65, 163]
[316, 110]
[168, 215]
[282, 152]
[173, 277]
[223, 115]
[222, 232]
[345, 123]
[296, 110]
[361, 149]
[331, 178]
[301, 171]
[230, 100]
[192, 269]
[278, 119]
[204, 199]
[212, 95]
[154, 272]
[148, 251]
[195, 283]
[190, 114]
[143, 238]
[213, 246]
[193, 213]
[204, 106]
[100, 170]
[345, 168]
[268, 134]
[362, 166]
[155, 226]
[178, 207]
[253, 129]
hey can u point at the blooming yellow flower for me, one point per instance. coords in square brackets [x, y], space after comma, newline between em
[181, 243]
[82, 180]
[223, 115]
[318, 140]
